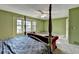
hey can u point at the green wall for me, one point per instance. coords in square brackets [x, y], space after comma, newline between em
[45, 25]
[74, 25]
[8, 24]
[40, 26]
[6, 28]
[58, 26]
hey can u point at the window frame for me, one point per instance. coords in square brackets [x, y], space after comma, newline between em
[19, 25]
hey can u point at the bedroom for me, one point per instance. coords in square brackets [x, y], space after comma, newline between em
[13, 16]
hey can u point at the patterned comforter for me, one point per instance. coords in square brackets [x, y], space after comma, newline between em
[23, 45]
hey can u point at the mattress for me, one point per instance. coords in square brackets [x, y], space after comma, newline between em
[23, 44]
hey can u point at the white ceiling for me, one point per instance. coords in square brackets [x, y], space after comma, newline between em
[58, 10]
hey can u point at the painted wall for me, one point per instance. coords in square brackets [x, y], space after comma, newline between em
[6, 28]
[8, 24]
[74, 25]
[46, 25]
[58, 26]
[40, 26]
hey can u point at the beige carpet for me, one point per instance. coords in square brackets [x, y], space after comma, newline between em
[58, 51]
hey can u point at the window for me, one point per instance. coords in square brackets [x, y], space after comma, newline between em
[28, 26]
[19, 26]
[34, 26]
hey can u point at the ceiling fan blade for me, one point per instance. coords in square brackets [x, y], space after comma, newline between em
[40, 11]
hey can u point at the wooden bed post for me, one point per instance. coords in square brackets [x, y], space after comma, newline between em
[25, 25]
[50, 21]
[50, 27]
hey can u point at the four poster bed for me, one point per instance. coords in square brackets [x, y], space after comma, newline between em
[30, 43]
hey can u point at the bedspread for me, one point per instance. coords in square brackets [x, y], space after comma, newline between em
[24, 45]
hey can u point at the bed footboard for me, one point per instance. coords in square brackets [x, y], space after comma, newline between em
[45, 39]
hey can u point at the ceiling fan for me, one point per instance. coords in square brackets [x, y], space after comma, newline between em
[44, 14]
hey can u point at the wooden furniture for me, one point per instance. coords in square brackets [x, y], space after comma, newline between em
[45, 39]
